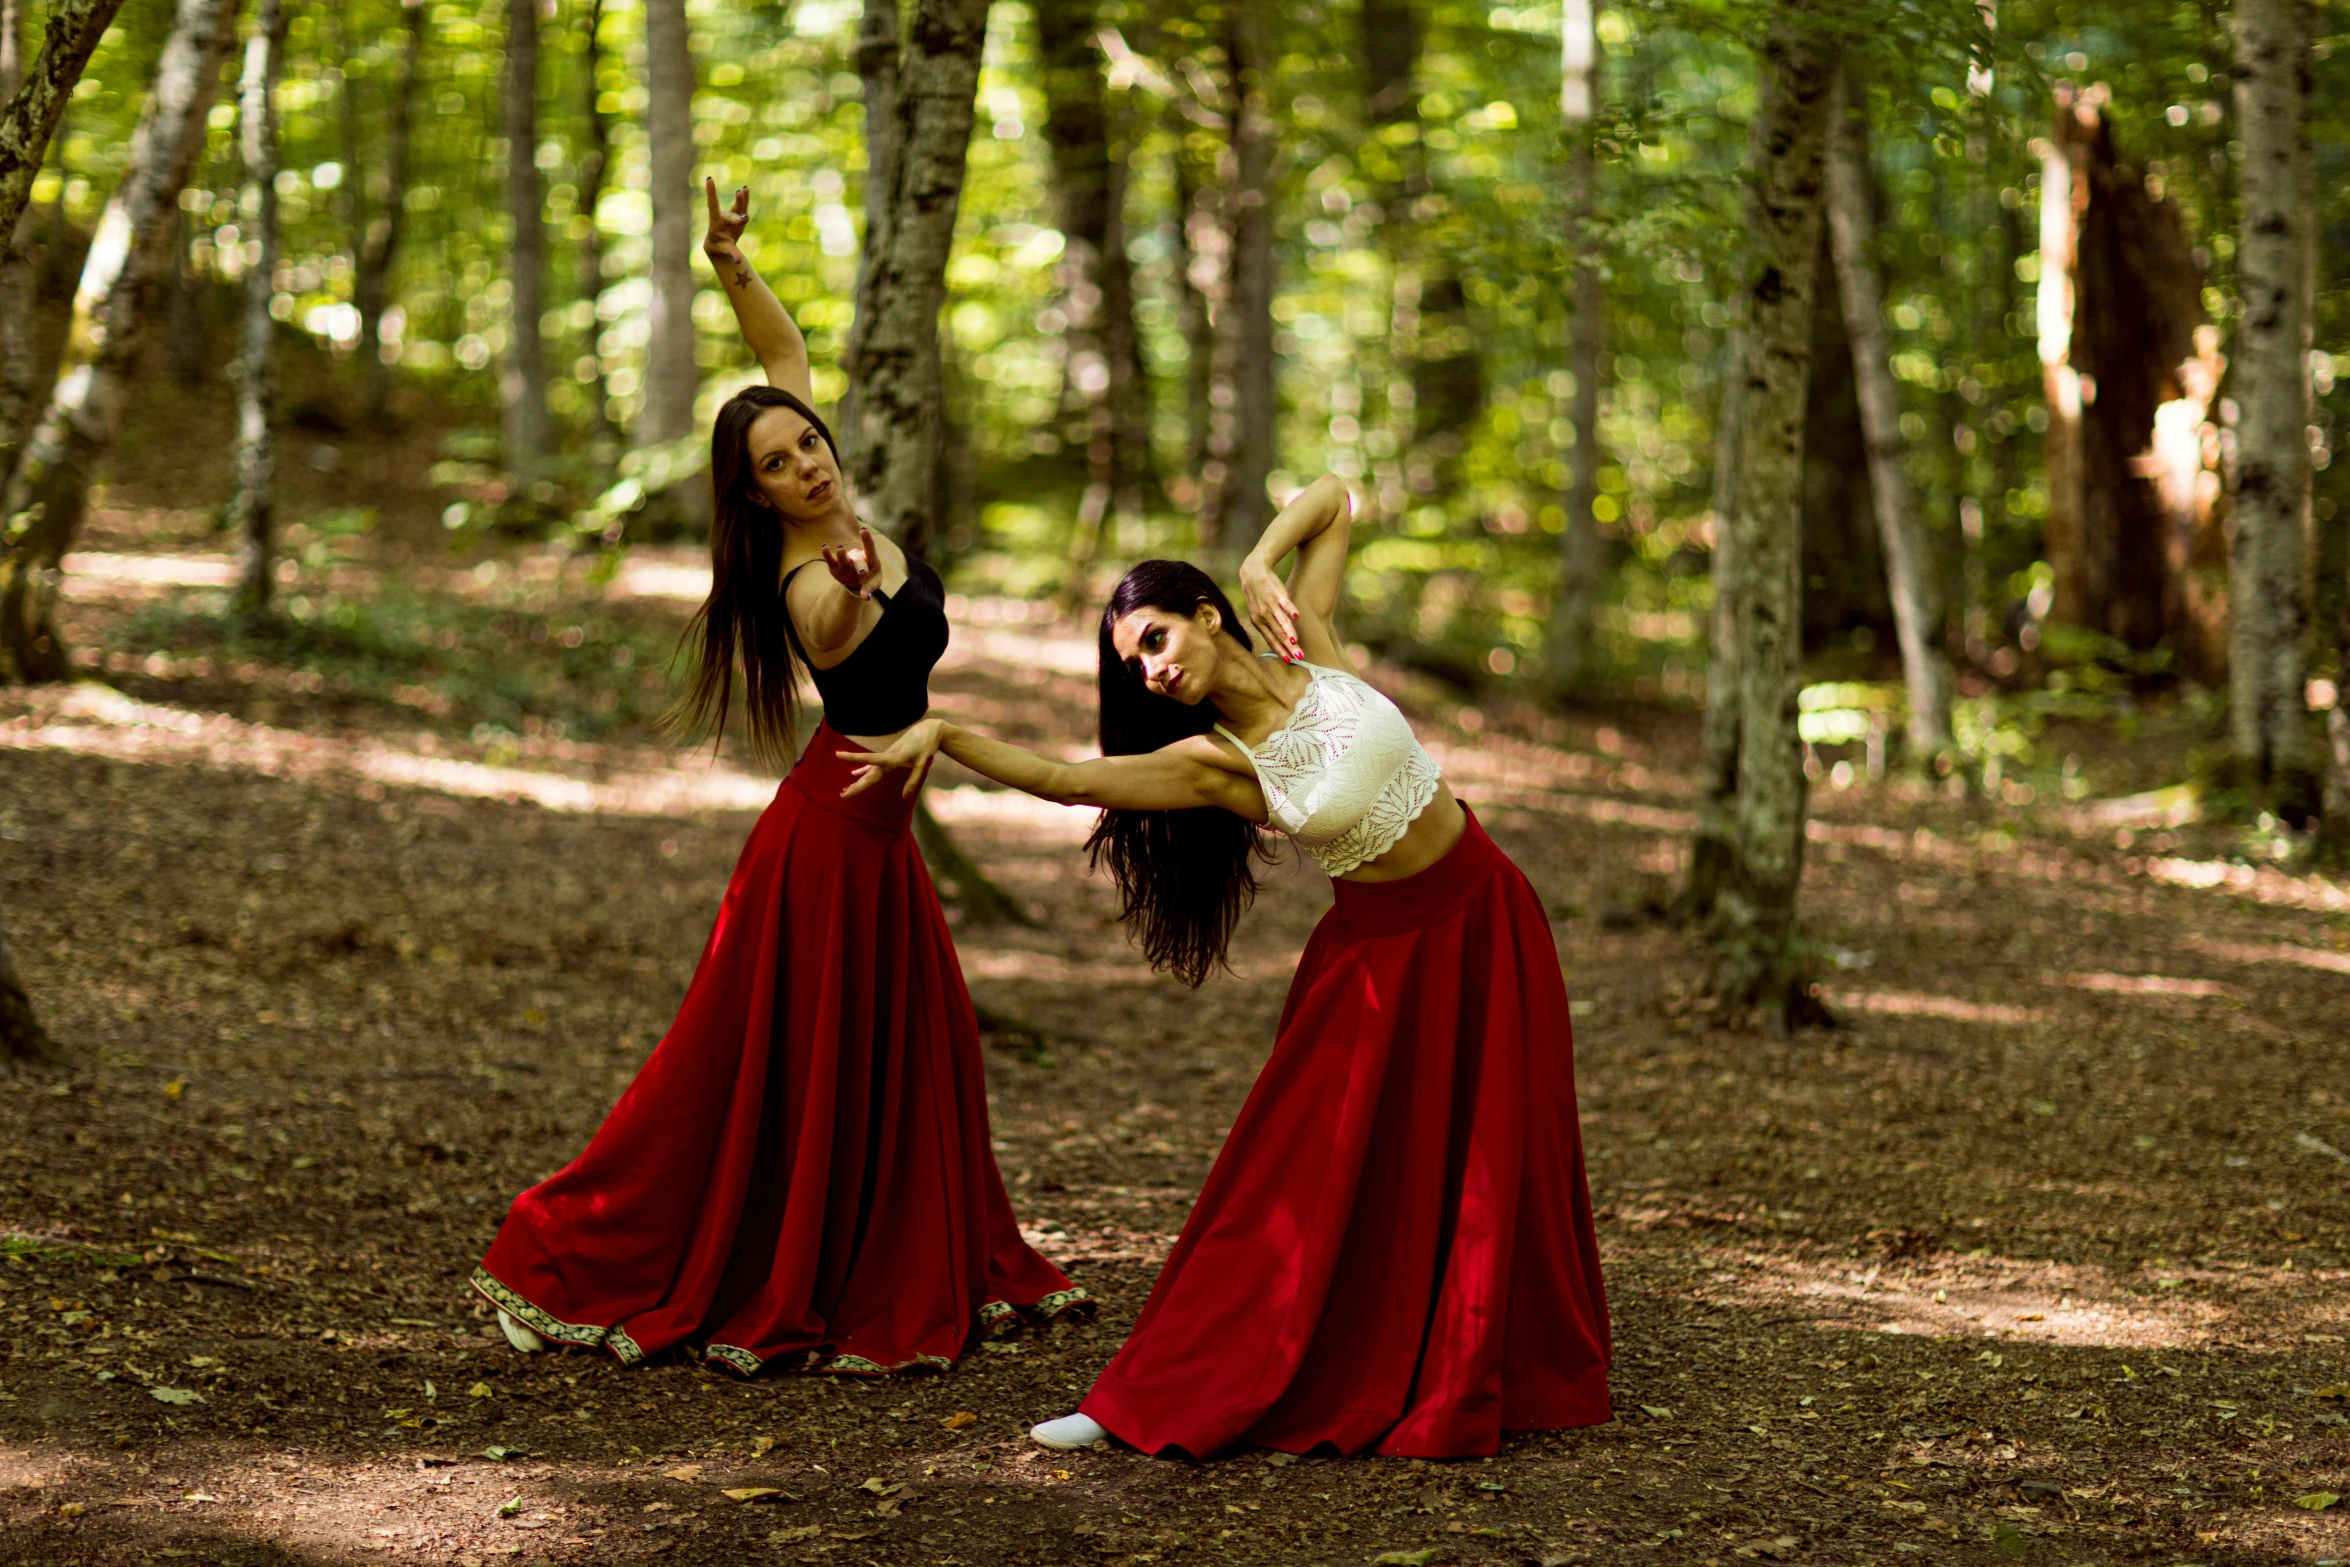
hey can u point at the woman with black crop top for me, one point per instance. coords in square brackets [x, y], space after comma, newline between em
[801, 1175]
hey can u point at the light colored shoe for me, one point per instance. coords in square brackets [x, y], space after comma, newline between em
[521, 1337]
[1069, 1433]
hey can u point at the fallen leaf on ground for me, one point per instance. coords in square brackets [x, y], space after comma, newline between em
[959, 1419]
[1656, 1412]
[751, 1493]
[761, 1446]
[689, 1473]
[498, 1455]
[2334, 1390]
[510, 1506]
[478, 1390]
[2317, 1501]
[71, 1510]
[790, 1536]
[1405, 1558]
[174, 1395]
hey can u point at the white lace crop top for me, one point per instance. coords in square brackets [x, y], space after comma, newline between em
[1344, 776]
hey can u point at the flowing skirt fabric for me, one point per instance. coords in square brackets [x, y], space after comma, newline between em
[801, 1173]
[1394, 1252]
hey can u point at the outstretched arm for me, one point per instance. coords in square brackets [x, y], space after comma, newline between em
[1300, 618]
[1178, 777]
[773, 335]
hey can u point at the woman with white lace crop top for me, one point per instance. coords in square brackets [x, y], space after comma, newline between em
[1394, 1251]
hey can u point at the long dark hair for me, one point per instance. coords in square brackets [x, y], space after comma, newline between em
[1183, 876]
[744, 621]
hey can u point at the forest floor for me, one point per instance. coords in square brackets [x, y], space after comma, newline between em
[2041, 1256]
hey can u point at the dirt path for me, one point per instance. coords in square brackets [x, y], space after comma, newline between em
[2044, 1258]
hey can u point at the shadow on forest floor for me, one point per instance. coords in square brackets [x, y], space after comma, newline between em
[2041, 1258]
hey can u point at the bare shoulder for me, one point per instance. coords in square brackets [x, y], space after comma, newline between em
[1215, 751]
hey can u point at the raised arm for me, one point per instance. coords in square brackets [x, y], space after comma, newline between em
[1301, 617]
[1188, 774]
[773, 335]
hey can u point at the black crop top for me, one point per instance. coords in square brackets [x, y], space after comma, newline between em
[885, 684]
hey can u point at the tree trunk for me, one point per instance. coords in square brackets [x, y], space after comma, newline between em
[594, 162]
[1101, 372]
[371, 287]
[1713, 848]
[252, 509]
[2269, 715]
[919, 87]
[32, 110]
[18, 342]
[1909, 564]
[672, 376]
[1198, 270]
[102, 347]
[1755, 963]
[187, 309]
[23, 1041]
[1582, 553]
[1244, 421]
[2120, 301]
[522, 380]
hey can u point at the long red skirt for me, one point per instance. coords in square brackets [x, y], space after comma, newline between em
[801, 1173]
[1394, 1251]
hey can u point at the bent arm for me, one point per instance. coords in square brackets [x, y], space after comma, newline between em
[769, 328]
[1301, 616]
[1316, 524]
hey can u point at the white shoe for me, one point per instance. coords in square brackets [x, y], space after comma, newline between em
[1069, 1433]
[521, 1337]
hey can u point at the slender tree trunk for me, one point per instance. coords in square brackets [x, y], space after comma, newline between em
[1582, 553]
[1197, 271]
[253, 508]
[522, 381]
[371, 287]
[919, 87]
[23, 1041]
[187, 309]
[2064, 195]
[1909, 562]
[1754, 919]
[18, 342]
[1713, 849]
[593, 165]
[1242, 430]
[32, 111]
[102, 348]
[2269, 717]
[672, 376]
[1095, 278]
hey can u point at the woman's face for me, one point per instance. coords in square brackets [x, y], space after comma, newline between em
[794, 468]
[1173, 655]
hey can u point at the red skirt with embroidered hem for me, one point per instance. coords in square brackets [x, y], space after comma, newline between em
[801, 1173]
[1394, 1252]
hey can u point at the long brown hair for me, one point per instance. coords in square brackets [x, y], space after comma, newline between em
[744, 622]
[1183, 876]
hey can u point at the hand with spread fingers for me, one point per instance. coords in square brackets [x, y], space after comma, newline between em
[913, 751]
[855, 567]
[1271, 610]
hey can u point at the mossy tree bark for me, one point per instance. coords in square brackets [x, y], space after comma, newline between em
[45, 497]
[1753, 932]
[920, 72]
[252, 509]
